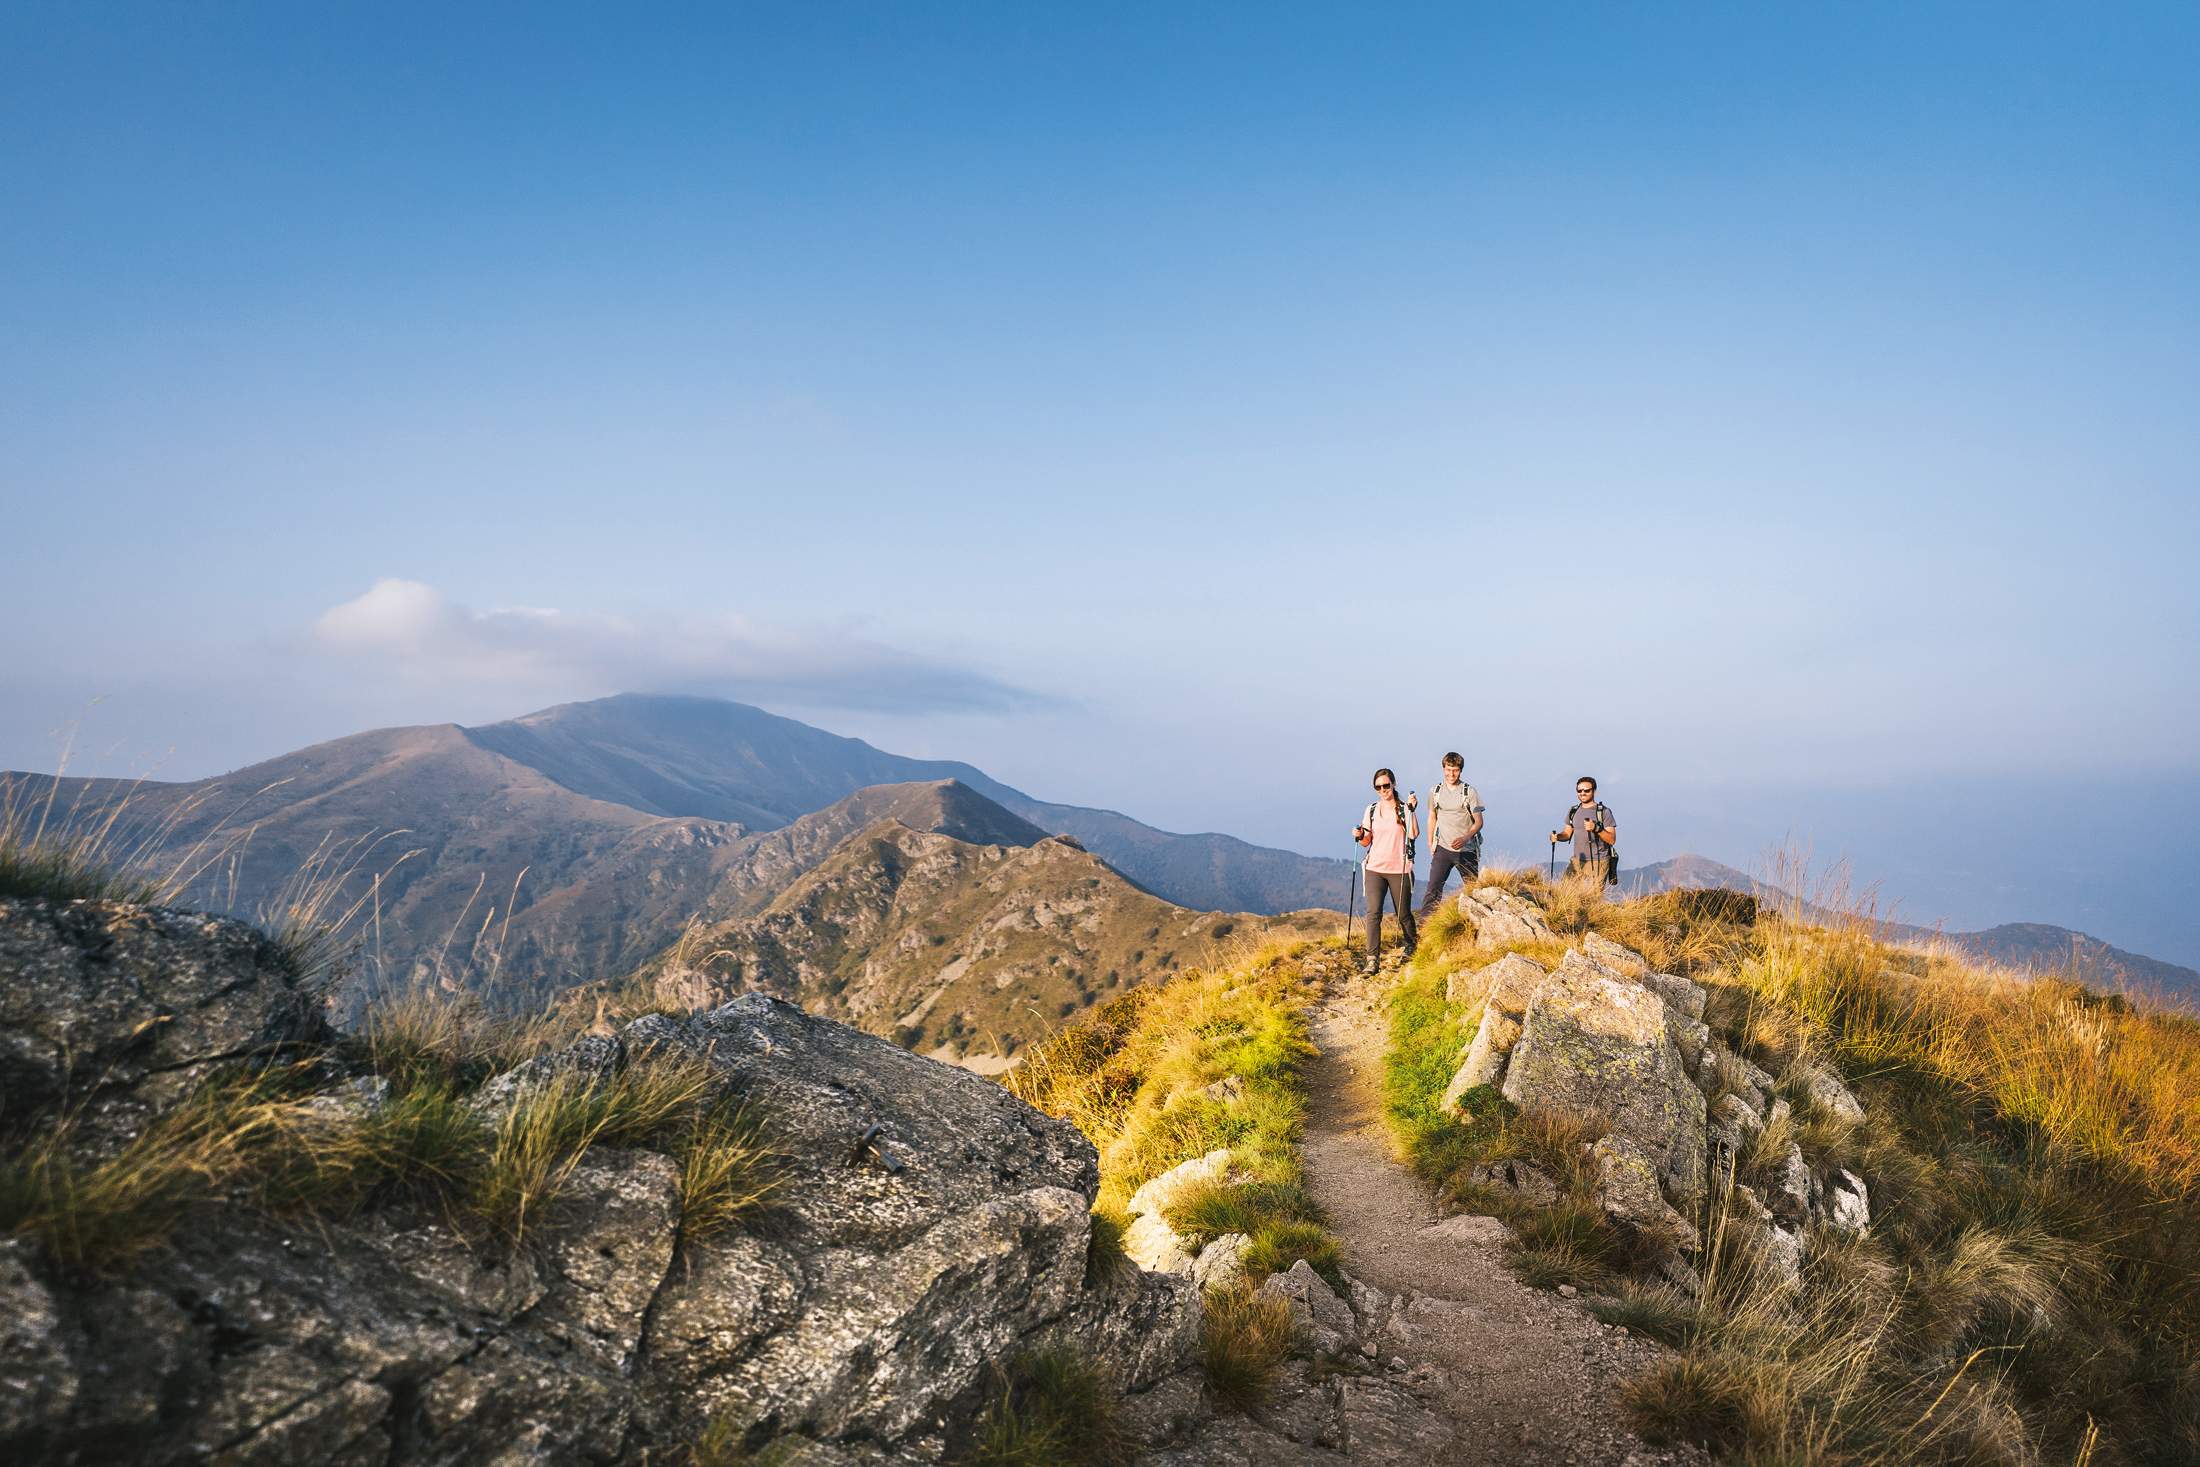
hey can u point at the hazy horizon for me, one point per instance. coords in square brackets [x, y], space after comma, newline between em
[2069, 857]
[1783, 415]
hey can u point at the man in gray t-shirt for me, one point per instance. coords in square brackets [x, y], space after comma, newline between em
[1455, 832]
[1591, 830]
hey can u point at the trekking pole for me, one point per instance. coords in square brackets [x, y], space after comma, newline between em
[1552, 869]
[1351, 897]
[1415, 797]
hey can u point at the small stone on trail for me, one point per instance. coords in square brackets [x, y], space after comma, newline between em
[1567, 1291]
[1471, 1228]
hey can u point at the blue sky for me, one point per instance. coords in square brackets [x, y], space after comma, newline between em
[1175, 408]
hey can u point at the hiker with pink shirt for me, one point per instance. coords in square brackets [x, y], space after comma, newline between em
[1385, 832]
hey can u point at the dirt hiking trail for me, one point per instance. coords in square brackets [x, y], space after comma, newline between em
[1527, 1377]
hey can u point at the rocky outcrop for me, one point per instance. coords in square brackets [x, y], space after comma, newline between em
[1594, 1044]
[1347, 1400]
[1501, 919]
[1502, 989]
[1605, 1038]
[928, 1229]
[1629, 1192]
[1153, 1243]
[1619, 957]
[122, 1010]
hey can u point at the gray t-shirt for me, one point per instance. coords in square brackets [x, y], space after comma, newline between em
[1451, 809]
[1579, 819]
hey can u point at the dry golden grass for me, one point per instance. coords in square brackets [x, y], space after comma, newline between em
[2094, 1077]
[2030, 1288]
[103, 845]
[1206, 1061]
[426, 1034]
[1244, 1335]
[276, 1140]
[93, 1213]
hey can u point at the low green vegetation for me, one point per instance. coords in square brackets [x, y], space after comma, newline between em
[2029, 1289]
[1169, 1072]
[1051, 1409]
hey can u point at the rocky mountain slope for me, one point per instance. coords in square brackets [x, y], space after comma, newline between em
[967, 950]
[2038, 947]
[230, 1234]
[925, 1231]
[637, 898]
[727, 761]
[573, 843]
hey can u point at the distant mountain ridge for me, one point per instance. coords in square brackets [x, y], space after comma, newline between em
[685, 756]
[2028, 946]
[569, 846]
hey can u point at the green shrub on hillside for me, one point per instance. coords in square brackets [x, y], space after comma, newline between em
[1172, 1071]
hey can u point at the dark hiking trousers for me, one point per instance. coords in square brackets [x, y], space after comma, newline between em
[1376, 883]
[1468, 863]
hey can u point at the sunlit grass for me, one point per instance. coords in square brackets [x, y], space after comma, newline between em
[1171, 1071]
[2027, 1290]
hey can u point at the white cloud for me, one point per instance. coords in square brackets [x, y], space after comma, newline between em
[422, 635]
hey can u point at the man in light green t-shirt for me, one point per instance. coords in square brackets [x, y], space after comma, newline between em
[1455, 832]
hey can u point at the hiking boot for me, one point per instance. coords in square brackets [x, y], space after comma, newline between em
[1369, 964]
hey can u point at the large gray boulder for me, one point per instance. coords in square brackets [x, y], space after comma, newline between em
[1504, 985]
[1614, 955]
[1594, 1044]
[1680, 994]
[929, 1228]
[119, 1010]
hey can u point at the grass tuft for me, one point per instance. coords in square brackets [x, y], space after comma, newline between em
[1053, 1410]
[729, 1172]
[1656, 1310]
[93, 1214]
[1692, 1399]
[1244, 1336]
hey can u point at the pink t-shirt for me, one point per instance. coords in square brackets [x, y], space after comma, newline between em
[1387, 856]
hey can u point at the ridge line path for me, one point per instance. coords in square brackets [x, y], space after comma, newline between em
[1523, 1376]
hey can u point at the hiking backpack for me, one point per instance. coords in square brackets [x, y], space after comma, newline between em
[1367, 822]
[1609, 855]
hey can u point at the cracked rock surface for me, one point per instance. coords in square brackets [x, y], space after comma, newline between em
[863, 1323]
